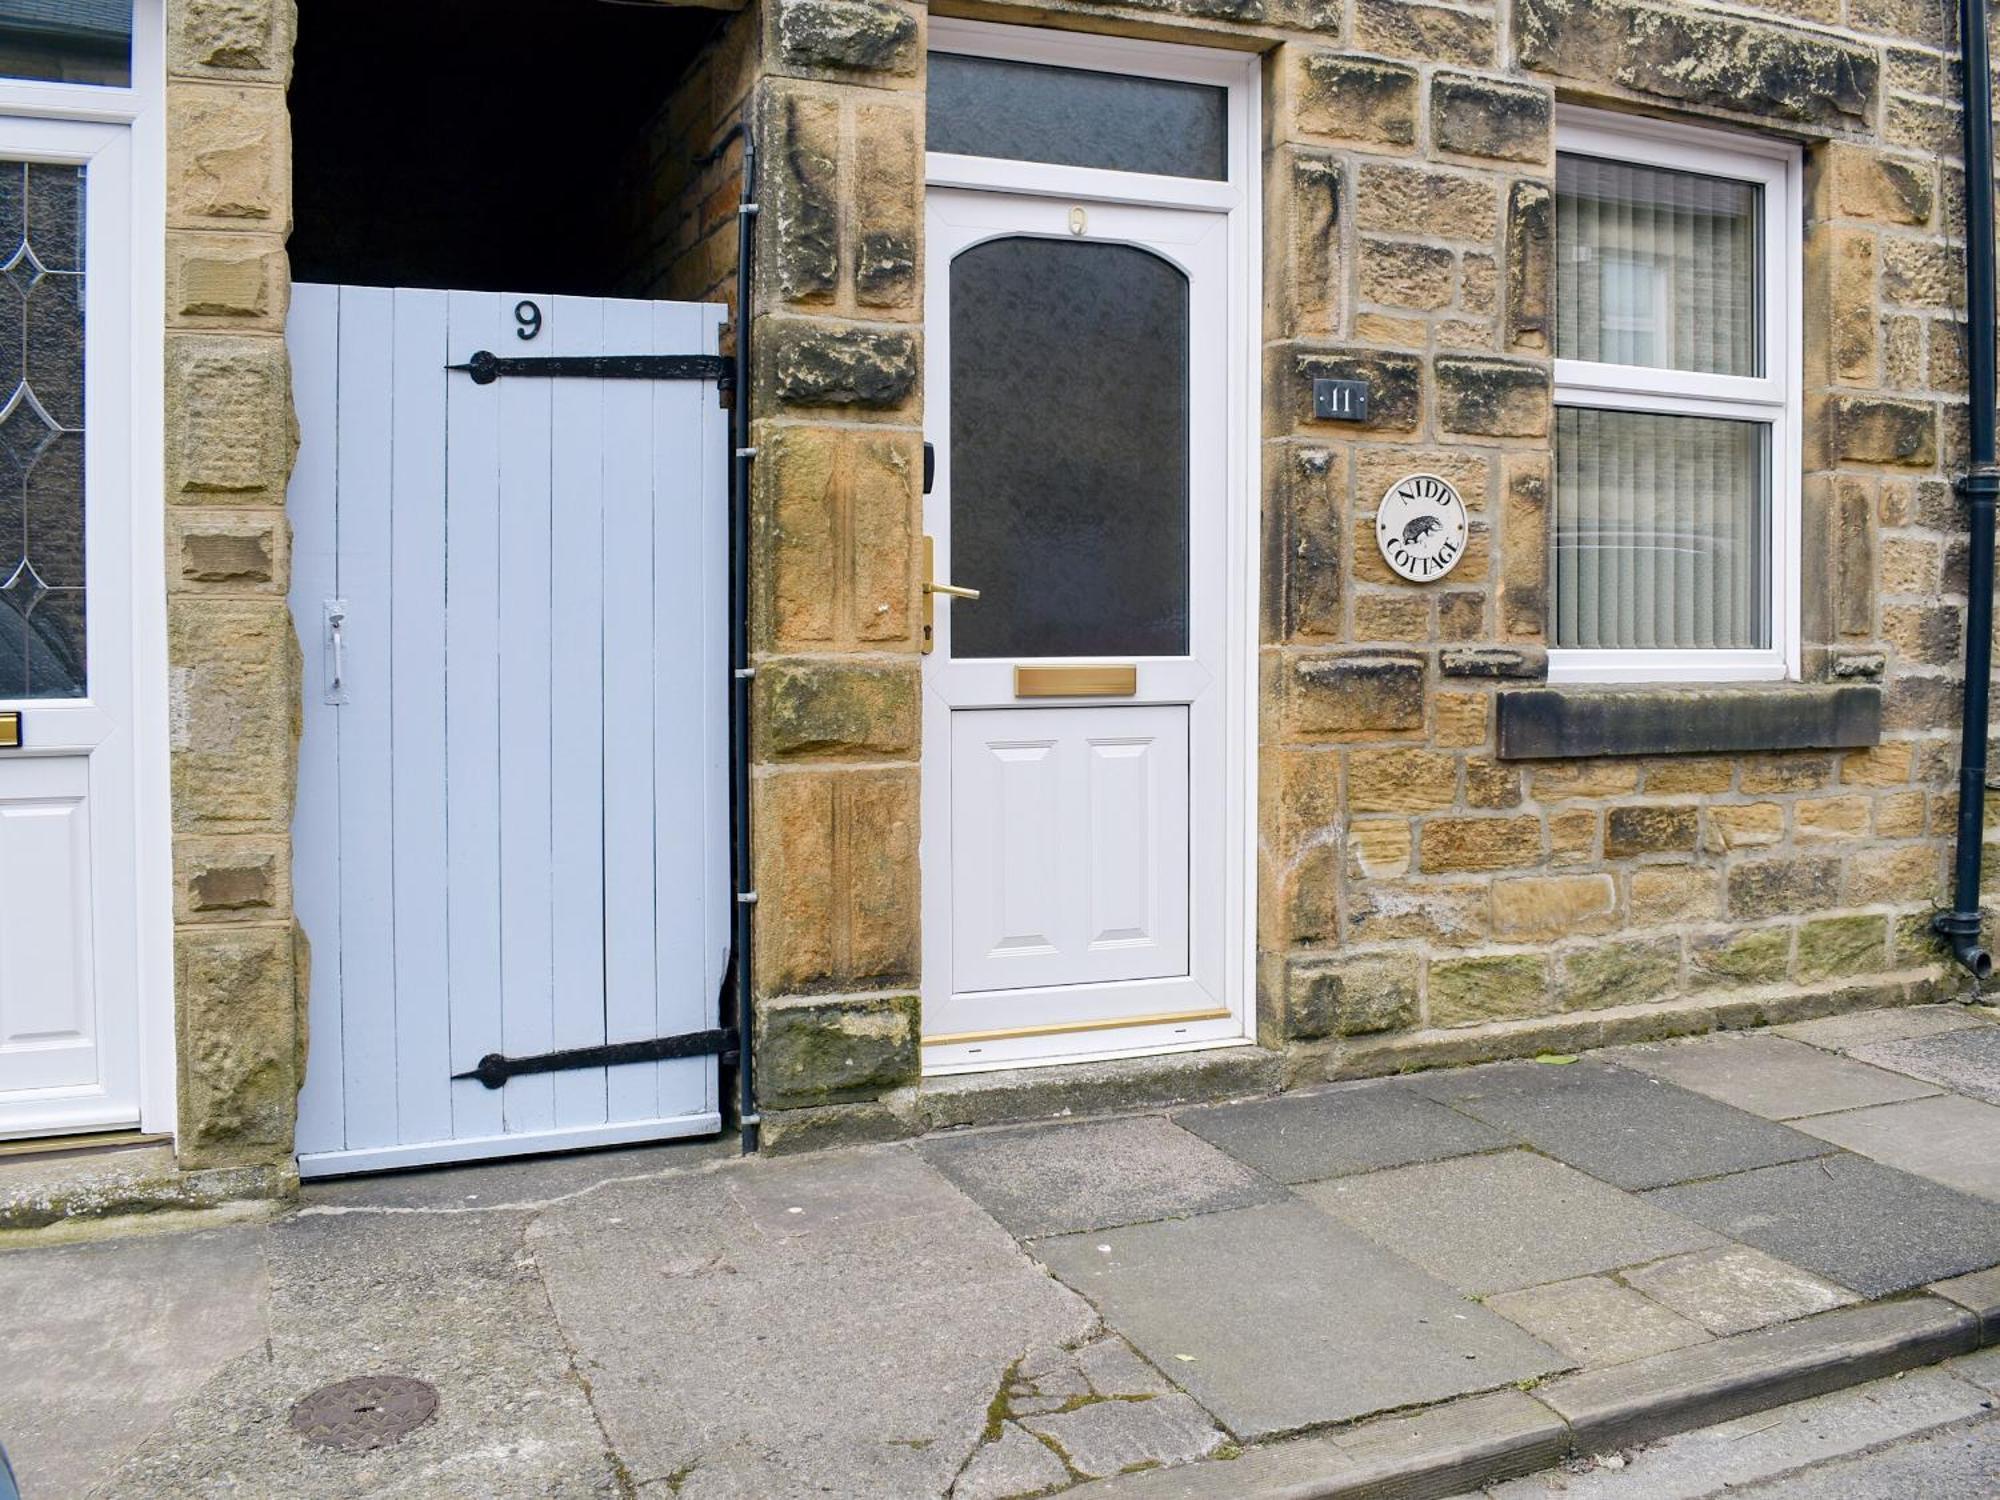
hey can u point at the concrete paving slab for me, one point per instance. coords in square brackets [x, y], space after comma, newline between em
[1856, 1222]
[1981, 1367]
[1724, 1378]
[1979, 1294]
[1957, 1463]
[102, 1341]
[1497, 1223]
[1331, 1132]
[1768, 1075]
[1059, 1179]
[1966, 1061]
[1630, 1130]
[852, 1348]
[449, 1298]
[1014, 1464]
[528, 1182]
[1277, 1318]
[1108, 1437]
[1595, 1321]
[1733, 1289]
[1947, 1139]
[1728, 1455]
[1861, 1027]
[1431, 1452]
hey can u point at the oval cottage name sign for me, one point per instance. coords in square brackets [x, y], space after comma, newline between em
[1420, 527]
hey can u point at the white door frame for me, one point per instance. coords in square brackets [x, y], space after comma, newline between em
[1238, 200]
[132, 393]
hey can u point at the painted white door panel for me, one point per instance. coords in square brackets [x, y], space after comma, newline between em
[511, 833]
[48, 1010]
[1069, 843]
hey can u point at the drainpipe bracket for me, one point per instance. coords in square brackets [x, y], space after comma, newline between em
[1980, 487]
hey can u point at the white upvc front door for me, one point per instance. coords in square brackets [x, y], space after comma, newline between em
[71, 826]
[1079, 763]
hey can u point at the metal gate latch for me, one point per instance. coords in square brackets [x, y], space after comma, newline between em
[485, 367]
[494, 1069]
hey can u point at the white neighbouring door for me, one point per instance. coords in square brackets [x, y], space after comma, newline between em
[512, 829]
[71, 1021]
[1077, 755]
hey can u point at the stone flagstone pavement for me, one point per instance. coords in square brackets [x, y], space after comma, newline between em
[1171, 1303]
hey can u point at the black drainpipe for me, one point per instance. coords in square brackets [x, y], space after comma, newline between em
[741, 871]
[1980, 487]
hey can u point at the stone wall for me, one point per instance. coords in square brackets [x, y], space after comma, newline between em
[239, 966]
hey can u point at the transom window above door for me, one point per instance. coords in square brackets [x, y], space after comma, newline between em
[1677, 469]
[67, 41]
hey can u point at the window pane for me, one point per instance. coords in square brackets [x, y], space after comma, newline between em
[1657, 268]
[67, 41]
[1069, 461]
[1662, 531]
[983, 106]
[41, 431]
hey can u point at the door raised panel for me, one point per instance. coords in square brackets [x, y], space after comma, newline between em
[1069, 838]
[47, 1021]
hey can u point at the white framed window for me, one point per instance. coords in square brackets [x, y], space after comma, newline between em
[1675, 536]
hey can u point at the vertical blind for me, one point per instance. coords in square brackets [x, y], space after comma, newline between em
[1662, 520]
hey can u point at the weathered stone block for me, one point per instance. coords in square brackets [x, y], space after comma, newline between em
[812, 364]
[226, 279]
[1492, 397]
[1451, 844]
[229, 418]
[1466, 990]
[1818, 819]
[1650, 828]
[1454, 915]
[1929, 634]
[1303, 279]
[1424, 33]
[798, 257]
[1863, 184]
[1490, 784]
[1395, 385]
[230, 161]
[834, 707]
[1379, 848]
[1877, 430]
[1403, 274]
[888, 180]
[1897, 875]
[238, 38]
[1428, 203]
[1663, 894]
[239, 1016]
[836, 878]
[1351, 995]
[228, 551]
[1298, 795]
[1922, 273]
[1524, 548]
[232, 713]
[1756, 68]
[1347, 98]
[1626, 973]
[846, 36]
[1462, 719]
[1400, 780]
[1303, 557]
[1553, 906]
[835, 1049]
[1337, 695]
[1485, 117]
[1744, 825]
[237, 878]
[1759, 955]
[1842, 945]
[1530, 263]
[1585, 778]
[1779, 887]
[1495, 663]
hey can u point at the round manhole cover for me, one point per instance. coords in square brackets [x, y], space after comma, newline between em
[369, 1411]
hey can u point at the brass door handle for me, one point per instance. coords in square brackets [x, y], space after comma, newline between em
[952, 589]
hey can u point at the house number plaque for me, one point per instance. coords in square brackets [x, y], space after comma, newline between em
[1420, 527]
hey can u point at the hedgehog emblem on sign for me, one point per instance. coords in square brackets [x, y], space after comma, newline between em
[1421, 527]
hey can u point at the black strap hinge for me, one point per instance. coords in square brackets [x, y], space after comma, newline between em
[485, 367]
[494, 1069]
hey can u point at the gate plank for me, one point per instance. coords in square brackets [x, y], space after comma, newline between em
[472, 711]
[577, 709]
[367, 928]
[630, 519]
[313, 332]
[417, 624]
[718, 900]
[526, 939]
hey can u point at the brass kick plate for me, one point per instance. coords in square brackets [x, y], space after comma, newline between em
[1098, 681]
[10, 731]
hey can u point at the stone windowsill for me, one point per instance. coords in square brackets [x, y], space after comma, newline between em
[1566, 723]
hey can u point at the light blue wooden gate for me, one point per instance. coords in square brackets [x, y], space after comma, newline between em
[512, 825]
